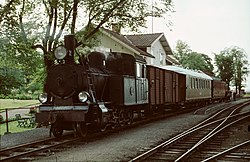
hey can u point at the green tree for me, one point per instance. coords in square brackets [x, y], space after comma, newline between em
[10, 79]
[240, 67]
[16, 57]
[224, 63]
[193, 60]
[232, 66]
[182, 50]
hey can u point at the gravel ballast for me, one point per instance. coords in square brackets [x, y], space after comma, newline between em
[121, 146]
[124, 145]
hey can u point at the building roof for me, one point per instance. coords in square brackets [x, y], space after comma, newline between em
[172, 59]
[146, 40]
[143, 40]
[127, 42]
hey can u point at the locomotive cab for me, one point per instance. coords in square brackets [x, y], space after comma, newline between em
[128, 82]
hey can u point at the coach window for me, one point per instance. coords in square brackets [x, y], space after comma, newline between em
[191, 82]
[191, 79]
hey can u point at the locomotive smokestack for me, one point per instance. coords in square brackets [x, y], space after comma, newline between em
[70, 42]
[70, 45]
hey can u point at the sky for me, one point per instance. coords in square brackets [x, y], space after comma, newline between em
[208, 26]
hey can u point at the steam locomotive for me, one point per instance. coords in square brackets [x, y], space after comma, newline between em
[107, 90]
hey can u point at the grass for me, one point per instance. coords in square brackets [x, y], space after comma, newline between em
[13, 103]
[12, 128]
[247, 95]
[10, 103]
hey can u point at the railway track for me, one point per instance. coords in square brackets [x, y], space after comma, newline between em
[25, 152]
[201, 141]
[235, 153]
[38, 148]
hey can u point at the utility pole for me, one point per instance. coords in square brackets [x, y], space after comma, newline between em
[152, 16]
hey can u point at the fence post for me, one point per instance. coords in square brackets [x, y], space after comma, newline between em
[7, 122]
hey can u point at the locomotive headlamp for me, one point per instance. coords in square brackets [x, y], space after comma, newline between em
[60, 52]
[83, 96]
[43, 97]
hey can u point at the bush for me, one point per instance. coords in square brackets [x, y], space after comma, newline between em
[33, 110]
[1, 118]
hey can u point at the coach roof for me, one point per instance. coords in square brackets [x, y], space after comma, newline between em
[198, 74]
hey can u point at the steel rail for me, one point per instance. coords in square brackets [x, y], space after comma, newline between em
[37, 147]
[189, 131]
[211, 133]
[226, 151]
[199, 126]
[176, 138]
[207, 137]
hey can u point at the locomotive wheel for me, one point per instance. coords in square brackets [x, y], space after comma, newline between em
[56, 130]
[121, 117]
[130, 117]
[115, 117]
[104, 128]
[81, 129]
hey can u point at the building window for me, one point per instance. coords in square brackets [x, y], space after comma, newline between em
[161, 58]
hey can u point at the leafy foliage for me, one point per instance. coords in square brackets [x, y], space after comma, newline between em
[224, 62]
[193, 60]
[231, 64]
[9, 79]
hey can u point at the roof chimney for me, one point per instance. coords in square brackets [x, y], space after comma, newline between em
[116, 28]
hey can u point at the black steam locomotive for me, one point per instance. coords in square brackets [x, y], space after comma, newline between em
[107, 90]
[99, 91]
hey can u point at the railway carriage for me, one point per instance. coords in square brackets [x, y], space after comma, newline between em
[194, 86]
[219, 90]
[166, 88]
